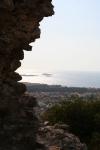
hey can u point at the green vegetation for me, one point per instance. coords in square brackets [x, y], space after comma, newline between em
[83, 117]
[33, 87]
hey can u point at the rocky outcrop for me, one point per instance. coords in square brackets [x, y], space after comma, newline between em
[19, 25]
[57, 137]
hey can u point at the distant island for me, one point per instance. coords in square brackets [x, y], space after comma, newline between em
[47, 74]
[30, 75]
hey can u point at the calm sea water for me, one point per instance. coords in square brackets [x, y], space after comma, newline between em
[67, 78]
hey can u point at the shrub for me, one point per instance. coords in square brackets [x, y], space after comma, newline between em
[83, 117]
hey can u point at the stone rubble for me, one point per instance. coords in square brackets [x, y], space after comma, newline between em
[57, 137]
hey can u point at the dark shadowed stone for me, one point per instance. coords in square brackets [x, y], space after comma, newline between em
[19, 25]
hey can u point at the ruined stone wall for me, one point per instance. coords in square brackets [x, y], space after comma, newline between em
[19, 25]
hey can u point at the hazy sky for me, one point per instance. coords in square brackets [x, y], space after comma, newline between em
[70, 40]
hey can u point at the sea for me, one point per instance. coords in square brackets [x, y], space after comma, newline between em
[65, 78]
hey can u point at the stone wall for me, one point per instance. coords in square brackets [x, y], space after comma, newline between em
[19, 25]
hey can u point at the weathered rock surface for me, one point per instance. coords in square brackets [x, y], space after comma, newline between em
[19, 25]
[57, 137]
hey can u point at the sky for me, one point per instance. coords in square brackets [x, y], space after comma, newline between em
[70, 40]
